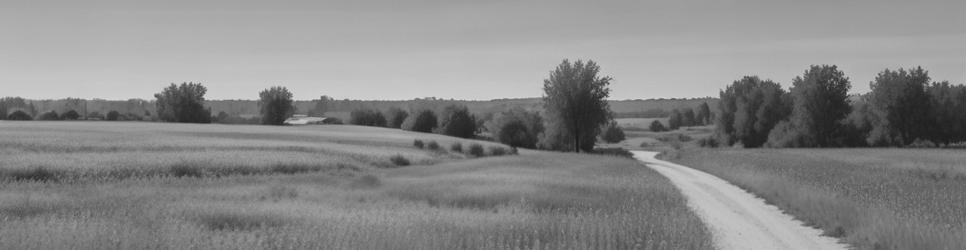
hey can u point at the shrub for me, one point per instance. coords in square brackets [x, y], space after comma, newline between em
[514, 151]
[113, 115]
[657, 126]
[456, 147]
[399, 160]
[49, 116]
[497, 150]
[418, 143]
[457, 121]
[132, 117]
[432, 145]
[614, 152]
[476, 150]
[19, 116]
[422, 121]
[395, 117]
[70, 115]
[367, 117]
[332, 120]
[95, 116]
[708, 142]
[516, 127]
[612, 133]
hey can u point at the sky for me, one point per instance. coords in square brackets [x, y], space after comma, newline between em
[462, 49]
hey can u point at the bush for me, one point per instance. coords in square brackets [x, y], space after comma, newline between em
[422, 121]
[612, 133]
[432, 145]
[516, 127]
[456, 147]
[113, 115]
[708, 142]
[514, 151]
[132, 117]
[497, 151]
[332, 120]
[418, 143]
[657, 126]
[367, 117]
[476, 150]
[395, 117]
[614, 152]
[19, 116]
[399, 160]
[70, 115]
[49, 116]
[95, 116]
[457, 121]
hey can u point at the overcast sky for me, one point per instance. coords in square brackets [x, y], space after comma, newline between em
[464, 49]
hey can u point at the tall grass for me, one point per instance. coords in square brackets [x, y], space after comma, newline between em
[132, 187]
[873, 198]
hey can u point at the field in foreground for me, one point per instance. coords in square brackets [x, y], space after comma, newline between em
[93, 185]
[872, 198]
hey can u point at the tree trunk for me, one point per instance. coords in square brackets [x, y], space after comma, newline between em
[577, 141]
[576, 137]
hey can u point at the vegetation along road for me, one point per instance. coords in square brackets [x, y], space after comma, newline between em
[737, 219]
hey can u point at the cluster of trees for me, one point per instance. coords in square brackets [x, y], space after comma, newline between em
[574, 103]
[453, 120]
[183, 103]
[516, 127]
[16, 108]
[902, 109]
[698, 116]
[367, 117]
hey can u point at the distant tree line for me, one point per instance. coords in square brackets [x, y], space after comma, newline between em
[904, 108]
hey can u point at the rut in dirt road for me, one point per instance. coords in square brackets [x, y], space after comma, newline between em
[738, 219]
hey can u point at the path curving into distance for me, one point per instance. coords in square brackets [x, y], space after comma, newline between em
[737, 219]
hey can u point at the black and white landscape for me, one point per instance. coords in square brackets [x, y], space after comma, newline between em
[431, 124]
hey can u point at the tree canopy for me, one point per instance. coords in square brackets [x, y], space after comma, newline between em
[275, 105]
[183, 103]
[575, 99]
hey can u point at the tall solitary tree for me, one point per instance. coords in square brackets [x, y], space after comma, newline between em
[276, 105]
[575, 99]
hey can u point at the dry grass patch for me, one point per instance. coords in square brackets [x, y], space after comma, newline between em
[873, 198]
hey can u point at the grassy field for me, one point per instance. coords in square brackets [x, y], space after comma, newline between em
[112, 185]
[872, 198]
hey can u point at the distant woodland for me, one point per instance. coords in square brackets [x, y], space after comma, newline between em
[146, 109]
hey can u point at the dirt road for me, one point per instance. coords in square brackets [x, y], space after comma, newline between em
[738, 219]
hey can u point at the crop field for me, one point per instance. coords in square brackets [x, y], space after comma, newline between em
[872, 198]
[116, 185]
